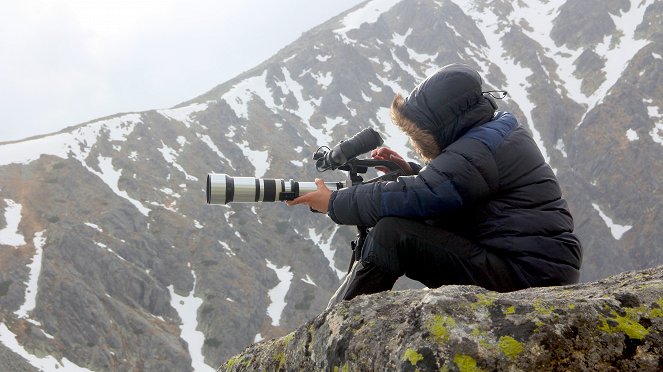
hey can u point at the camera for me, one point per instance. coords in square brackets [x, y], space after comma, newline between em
[224, 189]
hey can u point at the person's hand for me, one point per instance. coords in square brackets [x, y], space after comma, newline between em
[317, 200]
[385, 153]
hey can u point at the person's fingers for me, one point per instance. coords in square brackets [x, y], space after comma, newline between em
[304, 199]
[320, 183]
[310, 197]
[384, 152]
[402, 163]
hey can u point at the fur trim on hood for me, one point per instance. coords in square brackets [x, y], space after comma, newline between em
[424, 143]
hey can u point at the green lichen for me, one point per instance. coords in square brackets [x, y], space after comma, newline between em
[412, 356]
[510, 310]
[439, 328]
[466, 363]
[483, 301]
[657, 312]
[288, 338]
[344, 368]
[234, 360]
[572, 306]
[280, 357]
[541, 309]
[627, 324]
[480, 336]
[230, 363]
[509, 346]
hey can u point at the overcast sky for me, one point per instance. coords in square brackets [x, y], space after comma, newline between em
[65, 62]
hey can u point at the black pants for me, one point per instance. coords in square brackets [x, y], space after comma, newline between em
[428, 254]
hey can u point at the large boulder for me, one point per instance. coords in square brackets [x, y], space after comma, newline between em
[612, 324]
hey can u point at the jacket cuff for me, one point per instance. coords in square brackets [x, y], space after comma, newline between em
[330, 207]
[415, 167]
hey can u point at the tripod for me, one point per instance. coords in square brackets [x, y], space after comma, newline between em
[354, 167]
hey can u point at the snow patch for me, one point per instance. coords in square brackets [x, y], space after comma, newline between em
[170, 155]
[632, 135]
[398, 39]
[323, 58]
[208, 141]
[656, 132]
[257, 158]
[405, 65]
[113, 252]
[369, 13]
[559, 146]
[395, 87]
[278, 293]
[616, 230]
[306, 108]
[111, 177]
[345, 101]
[187, 309]
[10, 235]
[183, 114]
[46, 364]
[229, 252]
[239, 96]
[31, 285]
[94, 226]
[324, 80]
[325, 247]
[77, 143]
[170, 192]
[308, 280]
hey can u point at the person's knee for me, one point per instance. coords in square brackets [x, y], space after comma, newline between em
[389, 230]
[381, 246]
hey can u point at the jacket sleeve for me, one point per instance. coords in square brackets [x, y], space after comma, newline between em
[451, 181]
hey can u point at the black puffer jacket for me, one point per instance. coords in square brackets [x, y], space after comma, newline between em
[489, 183]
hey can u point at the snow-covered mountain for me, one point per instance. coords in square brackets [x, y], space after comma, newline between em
[110, 258]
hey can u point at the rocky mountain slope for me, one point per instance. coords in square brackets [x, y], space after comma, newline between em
[111, 260]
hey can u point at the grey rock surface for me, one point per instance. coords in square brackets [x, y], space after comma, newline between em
[612, 324]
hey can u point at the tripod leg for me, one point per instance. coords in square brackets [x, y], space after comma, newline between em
[340, 292]
[364, 278]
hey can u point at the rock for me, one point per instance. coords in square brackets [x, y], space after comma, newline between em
[612, 324]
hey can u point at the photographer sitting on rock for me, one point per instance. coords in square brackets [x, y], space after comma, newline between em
[486, 209]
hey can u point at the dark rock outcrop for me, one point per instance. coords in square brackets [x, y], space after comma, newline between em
[612, 324]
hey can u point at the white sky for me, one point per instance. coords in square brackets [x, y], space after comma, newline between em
[65, 62]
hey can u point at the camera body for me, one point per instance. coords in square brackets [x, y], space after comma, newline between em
[336, 158]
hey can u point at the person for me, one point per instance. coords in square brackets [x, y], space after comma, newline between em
[485, 210]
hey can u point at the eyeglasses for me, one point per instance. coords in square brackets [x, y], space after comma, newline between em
[497, 94]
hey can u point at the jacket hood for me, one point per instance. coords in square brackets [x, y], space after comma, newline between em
[442, 108]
